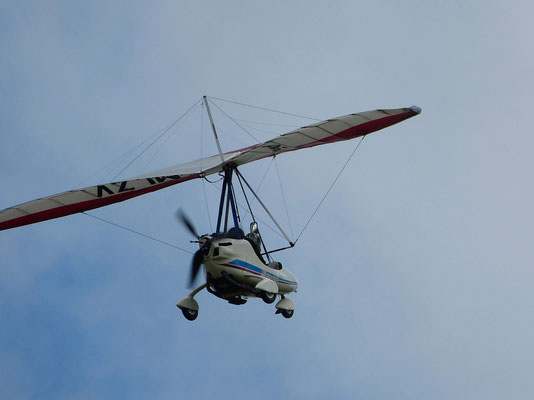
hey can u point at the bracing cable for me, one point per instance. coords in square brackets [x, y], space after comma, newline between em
[264, 207]
[165, 140]
[237, 123]
[252, 215]
[159, 137]
[263, 108]
[118, 160]
[136, 232]
[205, 195]
[255, 217]
[329, 189]
[201, 166]
[283, 196]
[261, 180]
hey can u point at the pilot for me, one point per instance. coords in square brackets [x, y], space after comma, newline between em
[254, 236]
[235, 233]
[254, 239]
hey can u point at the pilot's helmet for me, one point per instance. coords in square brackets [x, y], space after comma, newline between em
[236, 233]
[254, 228]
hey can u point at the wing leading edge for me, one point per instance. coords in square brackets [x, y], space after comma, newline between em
[75, 201]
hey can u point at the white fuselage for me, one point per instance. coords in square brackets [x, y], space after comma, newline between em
[237, 258]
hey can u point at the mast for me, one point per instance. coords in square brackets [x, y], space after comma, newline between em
[227, 202]
[213, 128]
[227, 189]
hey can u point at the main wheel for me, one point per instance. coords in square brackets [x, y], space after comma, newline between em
[268, 297]
[287, 313]
[190, 315]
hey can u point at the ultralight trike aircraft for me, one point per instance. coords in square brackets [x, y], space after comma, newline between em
[234, 263]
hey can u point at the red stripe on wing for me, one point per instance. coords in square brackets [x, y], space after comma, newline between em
[63, 211]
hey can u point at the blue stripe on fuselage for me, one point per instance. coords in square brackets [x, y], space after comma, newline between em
[245, 265]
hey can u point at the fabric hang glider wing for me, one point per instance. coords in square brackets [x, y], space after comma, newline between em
[75, 201]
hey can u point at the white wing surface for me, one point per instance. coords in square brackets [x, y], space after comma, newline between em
[75, 201]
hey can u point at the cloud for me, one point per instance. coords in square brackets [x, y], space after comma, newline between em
[414, 274]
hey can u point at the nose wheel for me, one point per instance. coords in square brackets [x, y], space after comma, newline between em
[190, 315]
[189, 306]
[287, 313]
[286, 307]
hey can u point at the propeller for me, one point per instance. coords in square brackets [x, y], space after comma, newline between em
[205, 245]
[198, 257]
[187, 222]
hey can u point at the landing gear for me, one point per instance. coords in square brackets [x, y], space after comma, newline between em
[191, 315]
[189, 305]
[268, 297]
[287, 313]
[285, 307]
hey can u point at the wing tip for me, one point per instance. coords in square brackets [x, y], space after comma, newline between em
[416, 109]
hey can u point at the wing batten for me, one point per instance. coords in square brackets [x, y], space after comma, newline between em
[373, 121]
[42, 210]
[334, 130]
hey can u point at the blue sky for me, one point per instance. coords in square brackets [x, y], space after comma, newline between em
[416, 274]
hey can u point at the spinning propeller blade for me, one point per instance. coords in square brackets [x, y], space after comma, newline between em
[187, 222]
[195, 266]
[198, 257]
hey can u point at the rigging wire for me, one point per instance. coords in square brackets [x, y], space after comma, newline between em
[252, 215]
[136, 232]
[115, 164]
[227, 135]
[159, 137]
[237, 123]
[118, 160]
[235, 201]
[262, 179]
[247, 121]
[205, 195]
[262, 221]
[264, 207]
[283, 196]
[201, 166]
[263, 108]
[264, 132]
[246, 198]
[164, 142]
[329, 189]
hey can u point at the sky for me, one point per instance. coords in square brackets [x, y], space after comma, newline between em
[415, 276]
